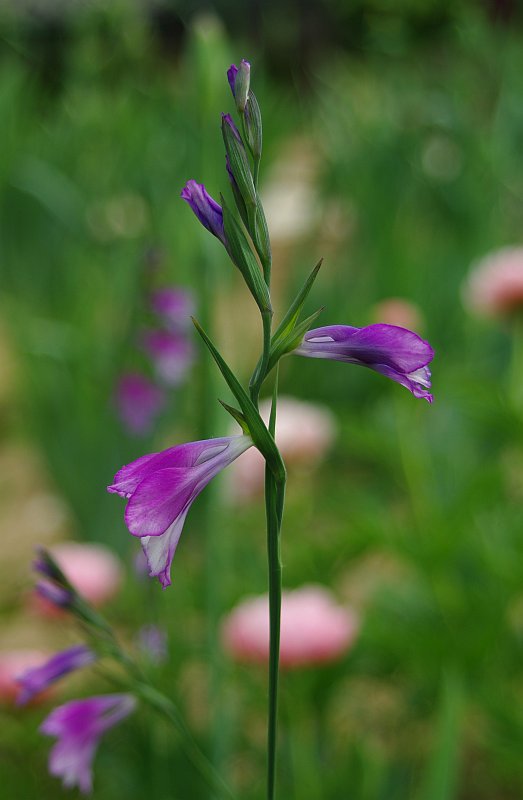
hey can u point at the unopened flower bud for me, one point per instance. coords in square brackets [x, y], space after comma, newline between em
[239, 80]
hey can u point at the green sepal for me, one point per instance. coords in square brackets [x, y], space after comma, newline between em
[259, 232]
[241, 86]
[290, 341]
[237, 415]
[258, 432]
[245, 260]
[239, 164]
[253, 126]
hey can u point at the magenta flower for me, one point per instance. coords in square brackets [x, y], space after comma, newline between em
[138, 401]
[206, 209]
[79, 725]
[396, 352]
[35, 680]
[172, 355]
[174, 306]
[161, 488]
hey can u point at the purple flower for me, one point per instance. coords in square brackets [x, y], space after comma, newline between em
[79, 726]
[138, 402]
[174, 306]
[396, 352]
[35, 680]
[161, 488]
[206, 209]
[171, 353]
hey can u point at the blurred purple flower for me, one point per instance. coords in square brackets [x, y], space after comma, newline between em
[54, 594]
[172, 355]
[395, 352]
[138, 402]
[161, 488]
[206, 209]
[174, 306]
[79, 725]
[152, 641]
[35, 680]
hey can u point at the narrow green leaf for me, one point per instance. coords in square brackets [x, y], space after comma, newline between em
[289, 321]
[238, 416]
[259, 433]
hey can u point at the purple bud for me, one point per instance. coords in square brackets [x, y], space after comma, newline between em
[206, 209]
[228, 120]
[231, 76]
[54, 594]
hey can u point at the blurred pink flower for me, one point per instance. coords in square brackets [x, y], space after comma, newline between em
[314, 629]
[398, 311]
[494, 286]
[14, 663]
[304, 433]
[92, 569]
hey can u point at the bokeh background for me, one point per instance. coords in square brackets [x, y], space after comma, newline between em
[393, 140]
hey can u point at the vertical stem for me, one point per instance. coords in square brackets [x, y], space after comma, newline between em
[274, 499]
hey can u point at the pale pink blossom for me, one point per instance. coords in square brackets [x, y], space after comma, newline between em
[93, 570]
[304, 434]
[494, 287]
[314, 628]
[13, 663]
[400, 312]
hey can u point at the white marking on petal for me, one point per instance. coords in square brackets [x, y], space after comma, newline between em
[320, 339]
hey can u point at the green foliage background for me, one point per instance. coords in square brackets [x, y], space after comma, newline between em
[415, 120]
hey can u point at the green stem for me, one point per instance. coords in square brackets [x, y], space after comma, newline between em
[260, 372]
[191, 749]
[274, 499]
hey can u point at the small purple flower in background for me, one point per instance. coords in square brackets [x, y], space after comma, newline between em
[395, 352]
[138, 402]
[174, 306]
[152, 641]
[206, 209]
[79, 725]
[161, 488]
[36, 680]
[172, 355]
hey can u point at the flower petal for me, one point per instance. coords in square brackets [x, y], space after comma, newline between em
[160, 550]
[158, 500]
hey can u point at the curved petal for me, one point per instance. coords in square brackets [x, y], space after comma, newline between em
[160, 550]
[158, 500]
[417, 382]
[131, 475]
